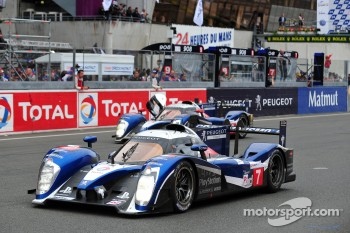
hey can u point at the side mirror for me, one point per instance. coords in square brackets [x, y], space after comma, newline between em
[141, 110]
[199, 147]
[89, 140]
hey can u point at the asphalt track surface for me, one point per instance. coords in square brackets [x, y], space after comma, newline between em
[321, 162]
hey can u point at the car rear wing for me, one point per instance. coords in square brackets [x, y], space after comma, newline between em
[281, 132]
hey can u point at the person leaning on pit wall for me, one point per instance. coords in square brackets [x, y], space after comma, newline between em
[155, 80]
[79, 81]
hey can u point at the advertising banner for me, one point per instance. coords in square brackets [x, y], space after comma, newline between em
[205, 36]
[113, 104]
[176, 95]
[333, 15]
[89, 68]
[260, 102]
[44, 110]
[117, 69]
[322, 99]
[6, 113]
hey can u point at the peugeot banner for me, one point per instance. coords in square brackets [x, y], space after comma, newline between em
[260, 102]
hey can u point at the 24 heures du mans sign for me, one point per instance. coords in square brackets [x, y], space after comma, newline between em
[309, 39]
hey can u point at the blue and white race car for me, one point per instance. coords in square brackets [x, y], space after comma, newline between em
[162, 170]
[185, 113]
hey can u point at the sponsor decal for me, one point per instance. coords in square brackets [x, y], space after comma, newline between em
[247, 182]
[63, 198]
[69, 147]
[124, 195]
[209, 179]
[6, 118]
[213, 134]
[115, 202]
[103, 168]
[67, 190]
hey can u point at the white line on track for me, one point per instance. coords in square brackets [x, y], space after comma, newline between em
[109, 131]
[301, 116]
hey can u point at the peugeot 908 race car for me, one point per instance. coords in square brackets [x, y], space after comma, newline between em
[186, 113]
[161, 170]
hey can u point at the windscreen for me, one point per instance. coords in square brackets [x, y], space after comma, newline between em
[141, 150]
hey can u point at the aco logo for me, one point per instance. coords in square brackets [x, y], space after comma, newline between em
[5, 112]
[88, 109]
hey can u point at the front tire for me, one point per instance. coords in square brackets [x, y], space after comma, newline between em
[275, 172]
[184, 187]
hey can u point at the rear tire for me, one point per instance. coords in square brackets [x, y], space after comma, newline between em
[184, 186]
[245, 122]
[275, 172]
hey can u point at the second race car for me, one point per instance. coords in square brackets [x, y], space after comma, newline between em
[186, 113]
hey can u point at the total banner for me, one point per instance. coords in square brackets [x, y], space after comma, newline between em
[31, 111]
[51, 110]
[259, 102]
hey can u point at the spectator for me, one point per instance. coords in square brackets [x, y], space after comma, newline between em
[172, 76]
[45, 76]
[79, 81]
[283, 65]
[155, 80]
[136, 15]
[29, 75]
[106, 7]
[2, 76]
[135, 76]
[165, 77]
[143, 16]
[128, 13]
[183, 77]
[148, 75]
[282, 20]
[301, 20]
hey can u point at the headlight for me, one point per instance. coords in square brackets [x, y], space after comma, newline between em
[177, 121]
[145, 187]
[121, 127]
[48, 173]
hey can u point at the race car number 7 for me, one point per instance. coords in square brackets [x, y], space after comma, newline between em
[258, 176]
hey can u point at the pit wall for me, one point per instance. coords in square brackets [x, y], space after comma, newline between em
[34, 111]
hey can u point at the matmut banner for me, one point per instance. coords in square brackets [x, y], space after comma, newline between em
[50, 110]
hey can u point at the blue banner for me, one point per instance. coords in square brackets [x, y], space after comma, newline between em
[322, 99]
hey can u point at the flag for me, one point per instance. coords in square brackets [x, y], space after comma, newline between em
[198, 14]
[106, 4]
